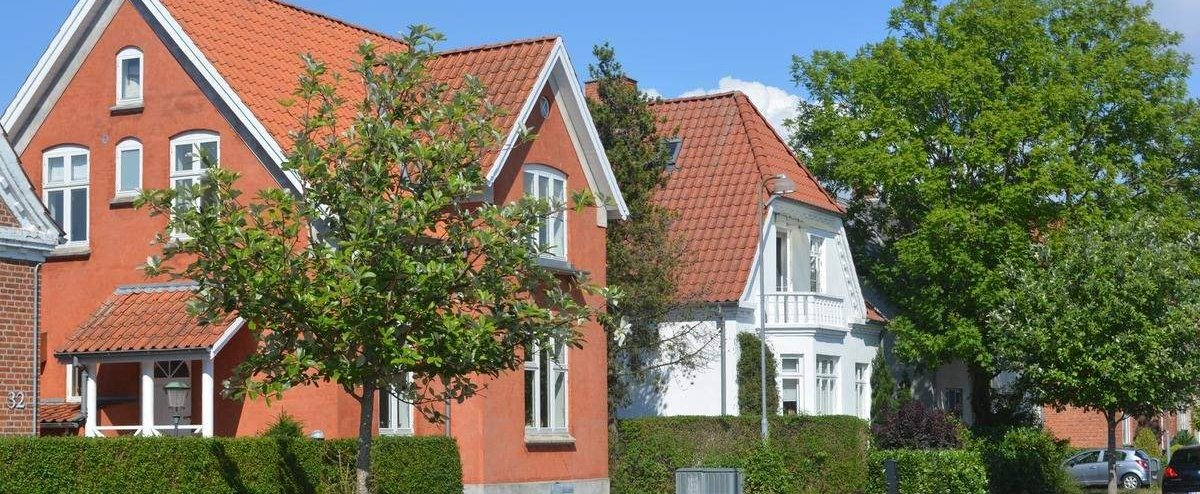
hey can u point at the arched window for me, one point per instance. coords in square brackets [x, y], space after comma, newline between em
[129, 167]
[548, 184]
[130, 77]
[191, 154]
[65, 172]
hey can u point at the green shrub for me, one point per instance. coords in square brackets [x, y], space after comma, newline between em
[930, 471]
[748, 372]
[1184, 438]
[133, 465]
[285, 425]
[1146, 440]
[817, 454]
[1032, 452]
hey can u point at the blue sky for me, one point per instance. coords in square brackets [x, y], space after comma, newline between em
[672, 48]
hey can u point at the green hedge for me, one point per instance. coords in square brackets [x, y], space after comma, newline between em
[806, 454]
[931, 471]
[1033, 452]
[130, 465]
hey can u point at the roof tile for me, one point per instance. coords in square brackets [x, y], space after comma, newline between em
[145, 318]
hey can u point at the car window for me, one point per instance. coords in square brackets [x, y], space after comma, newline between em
[1186, 457]
[1089, 457]
[1142, 454]
[1120, 456]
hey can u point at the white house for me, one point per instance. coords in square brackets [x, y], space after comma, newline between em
[727, 160]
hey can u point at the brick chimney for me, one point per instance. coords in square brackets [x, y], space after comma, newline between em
[591, 89]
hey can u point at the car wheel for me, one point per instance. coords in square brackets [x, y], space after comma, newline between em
[1131, 481]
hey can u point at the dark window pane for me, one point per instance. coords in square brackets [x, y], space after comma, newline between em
[54, 201]
[79, 204]
[384, 401]
[530, 377]
[544, 390]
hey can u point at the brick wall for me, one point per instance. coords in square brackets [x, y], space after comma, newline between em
[6, 217]
[16, 348]
[1087, 430]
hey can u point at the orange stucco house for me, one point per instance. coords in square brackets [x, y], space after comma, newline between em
[127, 96]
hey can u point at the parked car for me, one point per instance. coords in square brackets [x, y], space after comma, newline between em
[1090, 468]
[1182, 473]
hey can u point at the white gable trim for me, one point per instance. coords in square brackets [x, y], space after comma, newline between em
[560, 74]
[37, 234]
[225, 337]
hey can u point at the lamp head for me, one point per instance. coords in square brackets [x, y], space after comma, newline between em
[177, 394]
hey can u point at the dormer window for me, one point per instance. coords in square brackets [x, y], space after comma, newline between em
[547, 184]
[129, 77]
[674, 145]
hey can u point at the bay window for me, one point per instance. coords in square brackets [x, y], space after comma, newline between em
[548, 184]
[546, 389]
[65, 190]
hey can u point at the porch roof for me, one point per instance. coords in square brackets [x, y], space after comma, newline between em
[147, 318]
[59, 413]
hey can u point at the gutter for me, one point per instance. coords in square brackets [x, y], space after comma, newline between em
[37, 337]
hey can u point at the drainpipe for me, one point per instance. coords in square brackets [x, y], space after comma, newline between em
[37, 336]
[724, 358]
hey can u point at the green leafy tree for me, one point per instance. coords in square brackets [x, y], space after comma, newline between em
[977, 122]
[385, 265]
[644, 260]
[884, 396]
[1104, 318]
[748, 372]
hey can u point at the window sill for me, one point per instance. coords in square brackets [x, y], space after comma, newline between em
[70, 252]
[127, 108]
[122, 201]
[395, 432]
[549, 439]
[559, 265]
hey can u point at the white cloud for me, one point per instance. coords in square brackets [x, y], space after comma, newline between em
[651, 92]
[775, 103]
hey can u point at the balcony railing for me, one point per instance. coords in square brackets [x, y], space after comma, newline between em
[801, 309]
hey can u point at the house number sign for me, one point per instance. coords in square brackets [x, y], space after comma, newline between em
[16, 400]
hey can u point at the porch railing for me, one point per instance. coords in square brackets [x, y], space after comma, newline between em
[138, 430]
[799, 309]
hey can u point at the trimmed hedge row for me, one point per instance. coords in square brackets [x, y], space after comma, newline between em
[930, 471]
[806, 454]
[1031, 451]
[131, 465]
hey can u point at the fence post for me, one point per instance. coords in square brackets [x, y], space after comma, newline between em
[889, 475]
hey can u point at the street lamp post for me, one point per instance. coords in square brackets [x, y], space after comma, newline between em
[177, 394]
[776, 185]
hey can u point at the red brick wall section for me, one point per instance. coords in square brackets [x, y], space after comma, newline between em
[7, 218]
[16, 348]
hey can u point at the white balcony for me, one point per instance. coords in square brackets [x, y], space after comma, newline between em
[805, 309]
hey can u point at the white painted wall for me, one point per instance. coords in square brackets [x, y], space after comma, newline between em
[851, 341]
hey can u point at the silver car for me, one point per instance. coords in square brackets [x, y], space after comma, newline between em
[1090, 468]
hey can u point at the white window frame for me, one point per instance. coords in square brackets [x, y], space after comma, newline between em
[195, 139]
[862, 389]
[961, 401]
[797, 376]
[531, 176]
[70, 183]
[131, 53]
[783, 270]
[129, 144]
[396, 409]
[532, 365]
[71, 384]
[828, 381]
[816, 263]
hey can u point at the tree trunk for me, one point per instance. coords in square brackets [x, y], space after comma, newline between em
[1110, 454]
[362, 463]
[981, 395]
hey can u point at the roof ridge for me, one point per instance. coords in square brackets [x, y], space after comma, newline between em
[699, 97]
[499, 44]
[744, 100]
[167, 286]
[337, 20]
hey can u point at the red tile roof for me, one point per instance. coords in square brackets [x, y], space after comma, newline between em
[59, 413]
[256, 46]
[151, 317]
[728, 149]
[874, 315]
